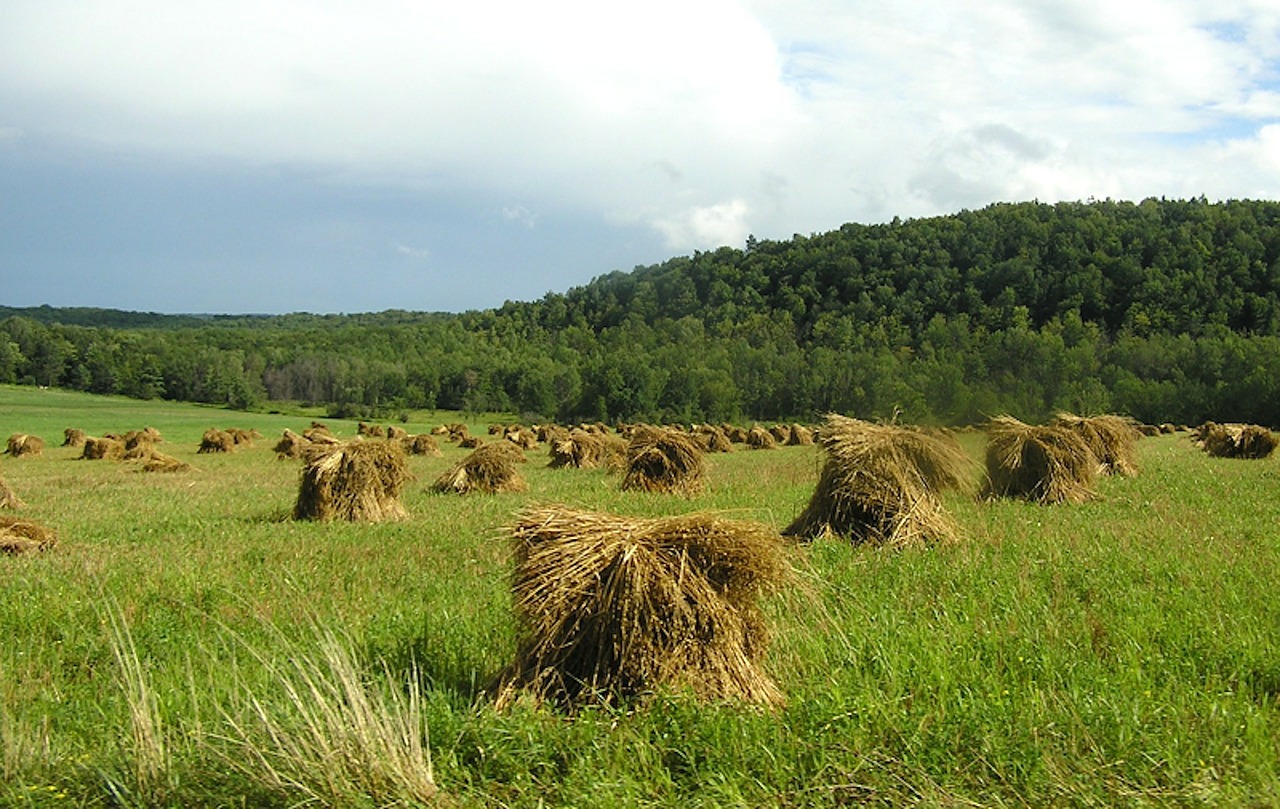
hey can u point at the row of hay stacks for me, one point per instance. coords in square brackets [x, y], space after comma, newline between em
[22, 445]
[880, 483]
[612, 608]
[1247, 441]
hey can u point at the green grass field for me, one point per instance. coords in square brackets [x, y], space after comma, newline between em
[186, 644]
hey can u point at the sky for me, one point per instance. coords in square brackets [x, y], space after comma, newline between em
[272, 156]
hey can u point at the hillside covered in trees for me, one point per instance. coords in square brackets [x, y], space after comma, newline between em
[1165, 310]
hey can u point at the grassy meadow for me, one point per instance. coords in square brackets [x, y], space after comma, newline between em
[186, 644]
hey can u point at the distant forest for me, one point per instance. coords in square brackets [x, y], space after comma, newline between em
[1167, 310]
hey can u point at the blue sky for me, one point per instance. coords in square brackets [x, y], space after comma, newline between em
[273, 156]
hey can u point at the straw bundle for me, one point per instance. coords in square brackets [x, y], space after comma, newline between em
[359, 481]
[713, 439]
[880, 483]
[292, 445]
[760, 438]
[1248, 441]
[580, 449]
[72, 437]
[241, 437]
[611, 608]
[521, 437]
[664, 460]
[319, 433]
[22, 536]
[422, 444]
[1113, 440]
[215, 440]
[395, 433]
[1041, 464]
[100, 449]
[8, 497]
[22, 445]
[489, 469]
[156, 461]
[799, 436]
[147, 436]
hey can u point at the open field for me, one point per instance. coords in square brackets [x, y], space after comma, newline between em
[1121, 652]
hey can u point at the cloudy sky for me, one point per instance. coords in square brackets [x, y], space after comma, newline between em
[340, 156]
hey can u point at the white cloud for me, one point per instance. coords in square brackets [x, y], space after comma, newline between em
[521, 215]
[419, 253]
[707, 226]
[705, 119]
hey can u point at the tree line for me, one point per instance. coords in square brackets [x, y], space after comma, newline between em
[1167, 310]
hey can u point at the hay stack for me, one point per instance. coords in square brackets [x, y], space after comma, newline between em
[1113, 440]
[22, 445]
[242, 438]
[664, 460]
[1248, 441]
[1041, 464]
[760, 438]
[215, 440]
[521, 437]
[713, 438]
[8, 497]
[156, 461]
[471, 442]
[71, 437]
[370, 430]
[422, 444]
[359, 481]
[292, 445]
[395, 433]
[800, 436]
[577, 449]
[611, 608]
[24, 536]
[318, 433]
[881, 483]
[489, 469]
[102, 449]
[147, 436]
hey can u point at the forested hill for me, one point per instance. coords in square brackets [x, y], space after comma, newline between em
[1155, 266]
[1167, 310]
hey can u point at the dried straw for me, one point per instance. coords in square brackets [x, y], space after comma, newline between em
[102, 449]
[1113, 440]
[22, 445]
[8, 497]
[215, 440]
[612, 608]
[359, 481]
[488, 469]
[1040, 464]
[664, 460]
[1248, 441]
[880, 483]
[22, 536]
